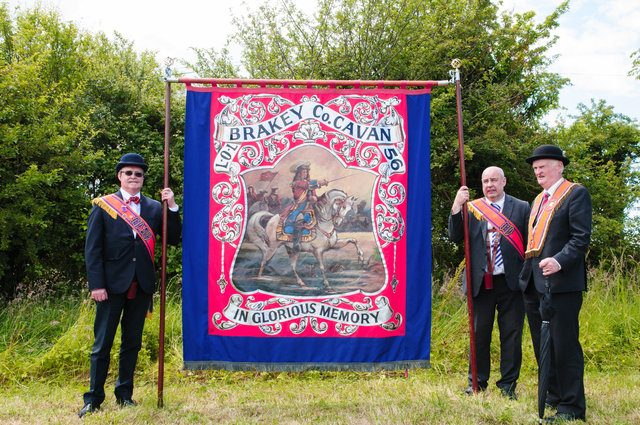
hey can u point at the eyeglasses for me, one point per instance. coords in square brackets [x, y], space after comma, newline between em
[135, 173]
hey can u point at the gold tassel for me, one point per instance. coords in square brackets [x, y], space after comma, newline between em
[100, 202]
[473, 210]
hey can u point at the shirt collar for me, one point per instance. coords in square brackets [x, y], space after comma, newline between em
[498, 202]
[554, 186]
[126, 195]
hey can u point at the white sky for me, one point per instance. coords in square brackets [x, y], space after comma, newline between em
[596, 37]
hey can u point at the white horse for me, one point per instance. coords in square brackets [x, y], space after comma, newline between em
[330, 210]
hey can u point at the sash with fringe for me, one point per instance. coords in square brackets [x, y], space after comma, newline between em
[482, 210]
[116, 207]
[538, 228]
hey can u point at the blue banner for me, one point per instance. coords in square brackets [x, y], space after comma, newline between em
[307, 229]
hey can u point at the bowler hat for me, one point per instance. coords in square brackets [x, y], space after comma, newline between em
[548, 152]
[133, 160]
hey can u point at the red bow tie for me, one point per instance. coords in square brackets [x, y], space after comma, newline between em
[134, 199]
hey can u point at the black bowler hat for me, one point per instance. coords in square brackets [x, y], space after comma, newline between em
[133, 160]
[548, 152]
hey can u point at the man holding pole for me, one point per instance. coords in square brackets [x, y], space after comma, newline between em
[119, 255]
[497, 224]
[559, 236]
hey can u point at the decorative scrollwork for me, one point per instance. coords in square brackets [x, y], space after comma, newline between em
[276, 104]
[391, 326]
[348, 145]
[298, 328]
[392, 195]
[390, 227]
[317, 326]
[368, 156]
[276, 146]
[260, 305]
[251, 155]
[253, 111]
[344, 107]
[223, 325]
[366, 112]
[366, 305]
[271, 330]
[346, 330]
[309, 131]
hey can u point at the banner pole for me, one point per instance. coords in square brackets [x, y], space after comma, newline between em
[163, 270]
[465, 219]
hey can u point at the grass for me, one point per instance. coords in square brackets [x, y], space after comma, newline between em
[45, 344]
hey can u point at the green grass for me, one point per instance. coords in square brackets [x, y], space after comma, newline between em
[45, 345]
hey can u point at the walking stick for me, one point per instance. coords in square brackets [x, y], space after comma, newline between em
[465, 219]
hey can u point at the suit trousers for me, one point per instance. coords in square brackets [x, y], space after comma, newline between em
[566, 384]
[510, 309]
[131, 314]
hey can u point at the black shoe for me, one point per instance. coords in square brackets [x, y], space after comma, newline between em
[509, 393]
[562, 418]
[87, 408]
[469, 390]
[126, 402]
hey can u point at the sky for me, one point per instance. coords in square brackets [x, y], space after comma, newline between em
[596, 40]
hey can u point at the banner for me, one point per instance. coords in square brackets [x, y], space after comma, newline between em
[307, 229]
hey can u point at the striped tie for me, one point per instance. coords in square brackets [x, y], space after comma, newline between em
[498, 262]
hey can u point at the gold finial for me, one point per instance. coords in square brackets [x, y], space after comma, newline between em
[456, 63]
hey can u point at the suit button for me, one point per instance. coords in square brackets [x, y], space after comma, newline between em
[134, 259]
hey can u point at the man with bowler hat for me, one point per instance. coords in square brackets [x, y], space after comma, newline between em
[559, 233]
[119, 256]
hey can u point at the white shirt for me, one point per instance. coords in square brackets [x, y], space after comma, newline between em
[550, 192]
[136, 207]
[497, 269]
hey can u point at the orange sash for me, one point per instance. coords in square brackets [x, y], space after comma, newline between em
[538, 228]
[116, 207]
[482, 210]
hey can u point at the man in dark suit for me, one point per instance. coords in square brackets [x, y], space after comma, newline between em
[119, 255]
[496, 261]
[559, 235]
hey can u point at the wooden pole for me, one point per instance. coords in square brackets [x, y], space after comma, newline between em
[163, 270]
[465, 219]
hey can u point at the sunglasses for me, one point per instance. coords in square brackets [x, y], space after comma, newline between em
[135, 173]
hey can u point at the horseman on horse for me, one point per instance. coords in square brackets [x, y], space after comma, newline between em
[298, 220]
[308, 224]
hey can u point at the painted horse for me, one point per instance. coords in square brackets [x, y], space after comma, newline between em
[330, 210]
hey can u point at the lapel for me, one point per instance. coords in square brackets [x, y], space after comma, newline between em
[508, 206]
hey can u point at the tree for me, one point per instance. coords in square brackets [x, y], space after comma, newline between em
[506, 85]
[635, 64]
[604, 148]
[70, 105]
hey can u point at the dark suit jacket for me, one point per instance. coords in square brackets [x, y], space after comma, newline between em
[113, 256]
[515, 210]
[567, 241]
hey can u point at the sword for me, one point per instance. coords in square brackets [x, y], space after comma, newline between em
[340, 178]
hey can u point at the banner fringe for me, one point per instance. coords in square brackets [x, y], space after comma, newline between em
[305, 367]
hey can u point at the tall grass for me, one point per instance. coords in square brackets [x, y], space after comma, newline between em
[52, 338]
[45, 346]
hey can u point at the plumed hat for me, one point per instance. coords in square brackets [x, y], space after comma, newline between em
[298, 165]
[548, 152]
[132, 160]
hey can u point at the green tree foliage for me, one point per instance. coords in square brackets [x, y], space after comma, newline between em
[635, 64]
[604, 148]
[70, 105]
[210, 62]
[505, 82]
